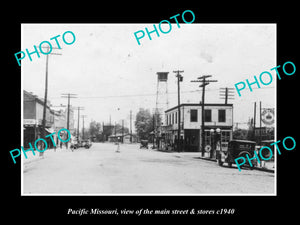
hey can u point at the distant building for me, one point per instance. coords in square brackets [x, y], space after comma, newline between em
[107, 131]
[216, 116]
[123, 138]
[267, 133]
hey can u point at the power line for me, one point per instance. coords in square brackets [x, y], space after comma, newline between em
[68, 95]
[203, 79]
[152, 94]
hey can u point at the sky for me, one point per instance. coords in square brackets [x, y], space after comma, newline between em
[111, 74]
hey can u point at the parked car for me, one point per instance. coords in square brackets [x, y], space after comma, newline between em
[266, 153]
[86, 143]
[74, 144]
[237, 148]
[144, 144]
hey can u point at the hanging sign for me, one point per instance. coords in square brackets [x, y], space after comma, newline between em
[268, 116]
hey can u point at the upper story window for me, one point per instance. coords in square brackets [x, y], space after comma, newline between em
[194, 115]
[222, 115]
[207, 115]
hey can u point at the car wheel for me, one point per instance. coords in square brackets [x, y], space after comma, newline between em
[220, 163]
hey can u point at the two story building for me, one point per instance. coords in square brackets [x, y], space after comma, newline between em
[217, 116]
[33, 116]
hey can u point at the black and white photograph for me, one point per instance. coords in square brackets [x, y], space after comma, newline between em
[131, 109]
[149, 111]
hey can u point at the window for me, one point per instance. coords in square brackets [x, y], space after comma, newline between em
[207, 115]
[194, 115]
[225, 136]
[207, 138]
[222, 115]
[172, 118]
[176, 117]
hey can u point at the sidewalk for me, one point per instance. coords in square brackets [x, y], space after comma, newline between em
[267, 166]
[32, 158]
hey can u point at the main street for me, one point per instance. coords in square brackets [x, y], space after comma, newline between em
[101, 170]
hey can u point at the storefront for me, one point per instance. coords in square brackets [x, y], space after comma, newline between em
[217, 132]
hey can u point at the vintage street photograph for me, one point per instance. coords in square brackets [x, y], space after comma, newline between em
[162, 117]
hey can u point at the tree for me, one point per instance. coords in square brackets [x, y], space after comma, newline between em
[94, 130]
[144, 123]
[119, 129]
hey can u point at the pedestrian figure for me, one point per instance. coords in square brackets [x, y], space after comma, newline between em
[118, 145]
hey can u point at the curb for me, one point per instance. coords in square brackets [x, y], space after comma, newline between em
[255, 168]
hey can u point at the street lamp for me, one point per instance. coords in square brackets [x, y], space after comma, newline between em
[214, 138]
[218, 130]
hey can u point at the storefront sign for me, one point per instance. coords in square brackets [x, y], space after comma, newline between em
[267, 116]
[29, 121]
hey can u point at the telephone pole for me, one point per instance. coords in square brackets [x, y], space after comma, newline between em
[179, 79]
[130, 126]
[254, 121]
[78, 108]
[260, 124]
[226, 93]
[68, 95]
[122, 131]
[204, 82]
[46, 96]
[83, 116]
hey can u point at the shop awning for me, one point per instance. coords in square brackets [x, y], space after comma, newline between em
[49, 130]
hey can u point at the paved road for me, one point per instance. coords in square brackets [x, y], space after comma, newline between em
[100, 170]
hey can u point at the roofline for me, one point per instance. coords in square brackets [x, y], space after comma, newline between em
[198, 104]
[37, 99]
[240, 140]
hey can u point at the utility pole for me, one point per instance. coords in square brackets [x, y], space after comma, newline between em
[179, 79]
[225, 93]
[254, 120]
[122, 131]
[204, 82]
[260, 124]
[83, 116]
[130, 126]
[46, 96]
[68, 95]
[78, 108]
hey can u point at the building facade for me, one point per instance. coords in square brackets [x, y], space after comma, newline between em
[216, 116]
[33, 116]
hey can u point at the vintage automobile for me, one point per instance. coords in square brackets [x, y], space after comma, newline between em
[87, 143]
[266, 153]
[74, 144]
[144, 144]
[237, 148]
